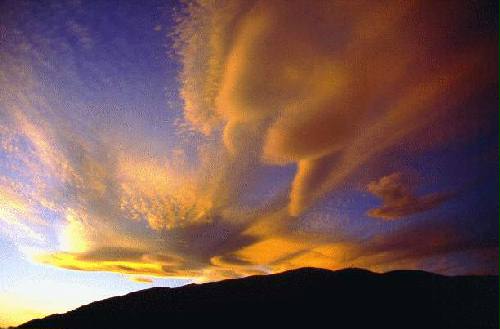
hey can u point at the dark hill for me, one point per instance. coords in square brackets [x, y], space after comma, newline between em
[308, 297]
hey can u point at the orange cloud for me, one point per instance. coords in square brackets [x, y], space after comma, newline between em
[124, 260]
[331, 85]
[161, 195]
[398, 199]
[141, 279]
[270, 250]
[74, 262]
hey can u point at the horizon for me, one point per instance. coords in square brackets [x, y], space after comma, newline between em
[299, 281]
[168, 142]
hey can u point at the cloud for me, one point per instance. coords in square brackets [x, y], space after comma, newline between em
[141, 279]
[429, 245]
[440, 244]
[331, 85]
[398, 199]
[318, 91]
[73, 261]
[17, 217]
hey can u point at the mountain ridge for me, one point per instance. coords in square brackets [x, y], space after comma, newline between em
[305, 296]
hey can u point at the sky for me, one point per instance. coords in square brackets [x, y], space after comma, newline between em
[160, 143]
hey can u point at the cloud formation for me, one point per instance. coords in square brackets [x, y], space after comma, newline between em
[331, 85]
[291, 100]
[398, 200]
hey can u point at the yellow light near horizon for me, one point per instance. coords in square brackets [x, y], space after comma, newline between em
[15, 312]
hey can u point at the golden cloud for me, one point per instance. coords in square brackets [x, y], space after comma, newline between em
[328, 85]
[398, 199]
[141, 279]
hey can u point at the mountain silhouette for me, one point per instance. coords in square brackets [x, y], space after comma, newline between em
[307, 297]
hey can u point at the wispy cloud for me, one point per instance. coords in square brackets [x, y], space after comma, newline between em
[328, 87]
